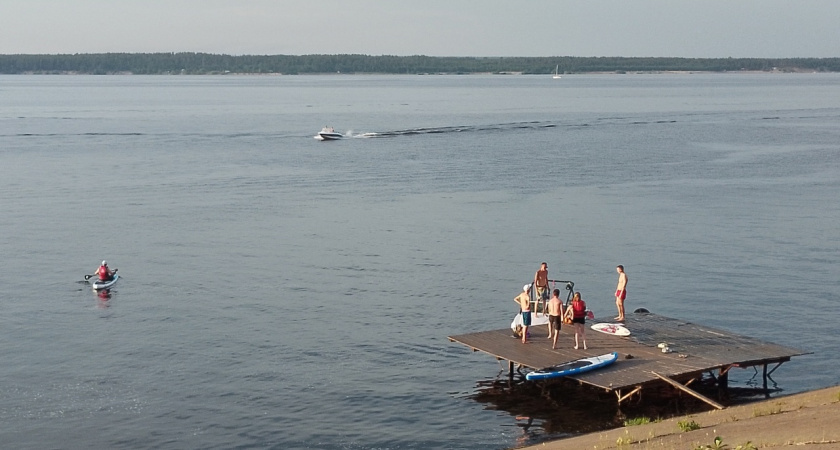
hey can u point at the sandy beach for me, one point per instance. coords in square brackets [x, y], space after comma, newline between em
[808, 419]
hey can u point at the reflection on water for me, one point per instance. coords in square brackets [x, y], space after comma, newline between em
[563, 408]
[104, 295]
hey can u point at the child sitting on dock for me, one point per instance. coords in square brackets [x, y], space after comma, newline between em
[577, 311]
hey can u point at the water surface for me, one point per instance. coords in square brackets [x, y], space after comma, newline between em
[280, 292]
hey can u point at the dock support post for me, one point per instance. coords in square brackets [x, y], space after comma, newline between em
[723, 384]
[766, 393]
[510, 373]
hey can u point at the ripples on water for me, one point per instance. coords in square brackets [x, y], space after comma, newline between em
[281, 292]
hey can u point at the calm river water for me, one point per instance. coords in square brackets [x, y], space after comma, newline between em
[281, 292]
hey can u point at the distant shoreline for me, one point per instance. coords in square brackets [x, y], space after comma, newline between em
[213, 64]
[506, 74]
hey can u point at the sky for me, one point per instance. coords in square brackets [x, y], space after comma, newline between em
[655, 28]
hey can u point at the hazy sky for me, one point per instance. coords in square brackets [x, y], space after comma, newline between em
[684, 28]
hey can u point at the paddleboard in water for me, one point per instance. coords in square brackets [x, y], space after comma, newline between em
[615, 329]
[573, 367]
[98, 284]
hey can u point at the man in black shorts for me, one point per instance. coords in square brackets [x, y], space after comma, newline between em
[555, 316]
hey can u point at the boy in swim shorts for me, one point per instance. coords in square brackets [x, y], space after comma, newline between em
[555, 317]
[620, 292]
[541, 283]
[524, 302]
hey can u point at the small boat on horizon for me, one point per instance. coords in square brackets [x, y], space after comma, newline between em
[328, 134]
[556, 72]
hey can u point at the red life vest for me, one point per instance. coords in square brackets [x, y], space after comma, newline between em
[579, 309]
[104, 273]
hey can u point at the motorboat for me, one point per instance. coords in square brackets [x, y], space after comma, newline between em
[329, 134]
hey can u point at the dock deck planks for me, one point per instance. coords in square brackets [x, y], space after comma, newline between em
[706, 349]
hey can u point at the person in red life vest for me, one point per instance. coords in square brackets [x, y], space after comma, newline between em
[577, 311]
[104, 272]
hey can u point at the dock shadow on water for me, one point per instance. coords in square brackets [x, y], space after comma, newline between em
[562, 408]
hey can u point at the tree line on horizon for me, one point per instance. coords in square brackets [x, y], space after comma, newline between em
[206, 63]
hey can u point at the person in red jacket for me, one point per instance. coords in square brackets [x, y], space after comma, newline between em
[104, 272]
[577, 311]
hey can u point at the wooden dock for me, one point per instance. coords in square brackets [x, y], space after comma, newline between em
[695, 350]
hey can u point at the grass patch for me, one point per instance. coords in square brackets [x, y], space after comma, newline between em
[637, 421]
[775, 409]
[688, 425]
[719, 445]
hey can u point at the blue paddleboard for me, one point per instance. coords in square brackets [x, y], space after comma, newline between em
[573, 367]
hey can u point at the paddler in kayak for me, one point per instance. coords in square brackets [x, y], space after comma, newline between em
[104, 272]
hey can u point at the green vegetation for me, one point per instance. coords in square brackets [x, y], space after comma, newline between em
[719, 445]
[639, 421]
[686, 425]
[205, 63]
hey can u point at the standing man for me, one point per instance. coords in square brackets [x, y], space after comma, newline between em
[555, 316]
[524, 302]
[541, 284]
[620, 292]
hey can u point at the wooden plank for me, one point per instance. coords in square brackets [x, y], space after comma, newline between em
[690, 391]
[697, 350]
[621, 398]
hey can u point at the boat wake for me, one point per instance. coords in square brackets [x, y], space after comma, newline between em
[456, 129]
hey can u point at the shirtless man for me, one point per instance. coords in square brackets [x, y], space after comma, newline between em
[620, 292]
[524, 302]
[555, 316]
[541, 284]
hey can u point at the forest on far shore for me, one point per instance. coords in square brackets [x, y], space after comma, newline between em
[206, 63]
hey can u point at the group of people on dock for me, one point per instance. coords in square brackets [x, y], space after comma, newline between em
[575, 312]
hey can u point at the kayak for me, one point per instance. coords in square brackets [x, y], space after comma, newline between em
[573, 367]
[99, 284]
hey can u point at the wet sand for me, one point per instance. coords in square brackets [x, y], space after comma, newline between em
[808, 420]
